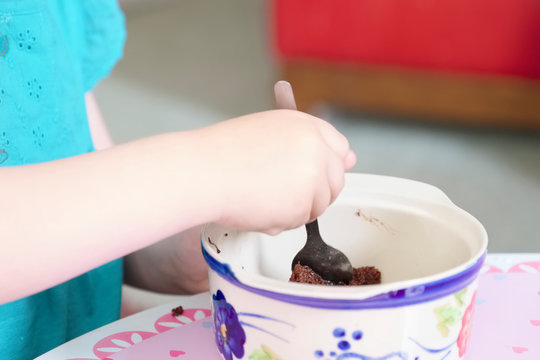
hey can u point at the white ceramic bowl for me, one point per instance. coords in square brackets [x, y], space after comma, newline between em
[428, 250]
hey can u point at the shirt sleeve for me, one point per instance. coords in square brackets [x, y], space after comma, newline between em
[95, 34]
[103, 39]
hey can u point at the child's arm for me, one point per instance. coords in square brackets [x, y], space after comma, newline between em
[173, 265]
[264, 172]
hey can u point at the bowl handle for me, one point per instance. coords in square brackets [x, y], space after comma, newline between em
[381, 184]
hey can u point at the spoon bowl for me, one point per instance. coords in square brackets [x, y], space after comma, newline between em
[330, 263]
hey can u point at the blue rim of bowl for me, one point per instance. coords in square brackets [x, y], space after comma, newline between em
[403, 297]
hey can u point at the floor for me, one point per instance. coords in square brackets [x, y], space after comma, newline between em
[191, 63]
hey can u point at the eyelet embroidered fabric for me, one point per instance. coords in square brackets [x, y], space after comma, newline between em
[56, 51]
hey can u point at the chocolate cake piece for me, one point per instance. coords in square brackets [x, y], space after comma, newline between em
[366, 275]
[177, 311]
[304, 274]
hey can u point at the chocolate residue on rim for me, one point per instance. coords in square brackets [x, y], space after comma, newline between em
[214, 245]
[375, 221]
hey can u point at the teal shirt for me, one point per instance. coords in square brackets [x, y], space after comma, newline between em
[51, 53]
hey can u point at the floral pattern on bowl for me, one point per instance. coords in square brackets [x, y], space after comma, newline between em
[228, 332]
[464, 334]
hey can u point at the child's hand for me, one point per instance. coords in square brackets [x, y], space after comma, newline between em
[275, 170]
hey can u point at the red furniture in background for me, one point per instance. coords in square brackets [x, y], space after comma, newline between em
[467, 60]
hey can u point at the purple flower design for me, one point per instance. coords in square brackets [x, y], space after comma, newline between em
[229, 334]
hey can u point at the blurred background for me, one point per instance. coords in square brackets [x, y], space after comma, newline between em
[446, 93]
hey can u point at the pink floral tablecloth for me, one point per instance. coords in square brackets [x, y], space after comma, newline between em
[505, 326]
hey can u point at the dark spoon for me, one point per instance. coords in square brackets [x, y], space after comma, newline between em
[331, 264]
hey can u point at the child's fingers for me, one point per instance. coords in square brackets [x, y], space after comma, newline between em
[335, 140]
[350, 160]
[336, 178]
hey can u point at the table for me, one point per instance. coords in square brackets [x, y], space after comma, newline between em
[506, 323]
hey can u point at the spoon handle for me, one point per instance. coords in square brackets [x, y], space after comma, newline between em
[312, 230]
[284, 95]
